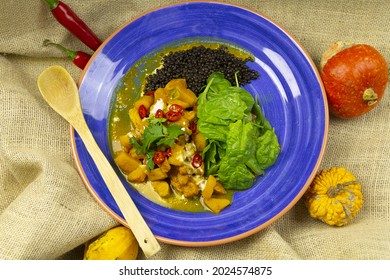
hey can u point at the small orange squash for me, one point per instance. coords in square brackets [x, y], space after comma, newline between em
[355, 77]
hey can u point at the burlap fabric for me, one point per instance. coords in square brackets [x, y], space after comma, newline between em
[47, 213]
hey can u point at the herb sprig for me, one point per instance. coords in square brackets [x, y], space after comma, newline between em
[156, 136]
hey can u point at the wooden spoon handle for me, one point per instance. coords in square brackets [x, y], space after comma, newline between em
[137, 224]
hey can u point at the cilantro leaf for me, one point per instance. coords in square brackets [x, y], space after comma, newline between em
[154, 120]
[151, 134]
[136, 145]
[171, 134]
[156, 134]
[149, 159]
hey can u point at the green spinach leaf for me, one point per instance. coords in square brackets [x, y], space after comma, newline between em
[268, 149]
[241, 141]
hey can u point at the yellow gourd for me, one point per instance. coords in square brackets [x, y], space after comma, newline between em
[117, 243]
[334, 197]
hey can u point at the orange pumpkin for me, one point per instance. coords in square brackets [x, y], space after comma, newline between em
[355, 77]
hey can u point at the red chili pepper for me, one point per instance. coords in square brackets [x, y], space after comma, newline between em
[174, 112]
[176, 108]
[142, 111]
[79, 58]
[159, 157]
[67, 18]
[197, 161]
[172, 116]
[159, 114]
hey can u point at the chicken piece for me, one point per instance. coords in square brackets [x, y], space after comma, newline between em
[190, 189]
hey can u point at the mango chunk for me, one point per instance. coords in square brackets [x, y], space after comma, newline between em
[136, 119]
[219, 189]
[138, 175]
[183, 104]
[162, 188]
[165, 166]
[157, 174]
[162, 94]
[200, 141]
[126, 163]
[146, 100]
[178, 90]
[125, 142]
[177, 157]
[216, 204]
[208, 190]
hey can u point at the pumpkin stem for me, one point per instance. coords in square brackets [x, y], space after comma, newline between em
[371, 96]
[334, 190]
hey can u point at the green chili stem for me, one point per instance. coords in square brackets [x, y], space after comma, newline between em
[70, 53]
[52, 3]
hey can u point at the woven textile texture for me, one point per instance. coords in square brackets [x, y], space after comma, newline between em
[47, 213]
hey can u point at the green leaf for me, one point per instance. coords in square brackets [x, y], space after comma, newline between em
[212, 156]
[268, 149]
[157, 134]
[245, 96]
[240, 141]
[223, 109]
[171, 133]
[218, 82]
[213, 131]
[236, 177]
[136, 145]
[260, 119]
[240, 145]
[151, 134]
[149, 159]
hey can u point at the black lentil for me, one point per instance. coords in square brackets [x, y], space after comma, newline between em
[196, 64]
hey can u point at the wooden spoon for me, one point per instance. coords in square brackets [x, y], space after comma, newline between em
[61, 93]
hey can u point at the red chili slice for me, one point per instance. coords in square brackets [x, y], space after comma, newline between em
[159, 157]
[142, 111]
[159, 114]
[193, 127]
[149, 93]
[176, 108]
[172, 116]
[197, 161]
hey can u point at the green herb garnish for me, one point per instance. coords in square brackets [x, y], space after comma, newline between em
[156, 136]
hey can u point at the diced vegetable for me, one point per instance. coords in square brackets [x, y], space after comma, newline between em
[157, 174]
[146, 100]
[162, 188]
[138, 175]
[200, 141]
[208, 190]
[126, 163]
[216, 204]
[177, 157]
[125, 142]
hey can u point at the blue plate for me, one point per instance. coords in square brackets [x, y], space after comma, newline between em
[289, 90]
